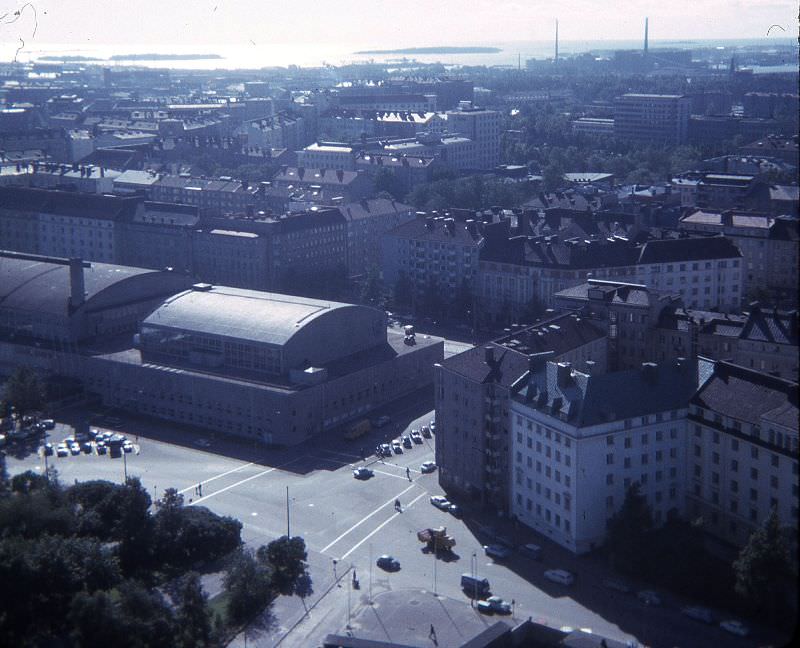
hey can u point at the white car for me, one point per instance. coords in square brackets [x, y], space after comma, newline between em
[427, 467]
[735, 627]
[74, 448]
[440, 502]
[62, 450]
[127, 446]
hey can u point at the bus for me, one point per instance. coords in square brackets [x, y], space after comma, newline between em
[359, 428]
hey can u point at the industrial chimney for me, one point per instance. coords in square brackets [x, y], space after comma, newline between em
[556, 57]
[646, 20]
[77, 287]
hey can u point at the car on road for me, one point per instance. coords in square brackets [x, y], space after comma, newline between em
[416, 437]
[94, 433]
[532, 551]
[735, 627]
[47, 448]
[407, 442]
[127, 446]
[68, 440]
[499, 605]
[427, 467]
[440, 502]
[649, 597]
[101, 447]
[362, 473]
[389, 563]
[62, 450]
[86, 446]
[698, 613]
[455, 510]
[616, 584]
[75, 448]
[397, 447]
[432, 425]
[425, 431]
[497, 552]
[560, 576]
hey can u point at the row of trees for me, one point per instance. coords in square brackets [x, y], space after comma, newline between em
[93, 563]
[674, 557]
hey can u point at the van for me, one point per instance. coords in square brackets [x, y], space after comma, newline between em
[474, 587]
[560, 576]
[532, 551]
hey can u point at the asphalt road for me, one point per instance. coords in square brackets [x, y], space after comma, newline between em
[353, 522]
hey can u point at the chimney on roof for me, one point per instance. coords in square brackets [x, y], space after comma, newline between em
[563, 373]
[488, 355]
[538, 360]
[77, 287]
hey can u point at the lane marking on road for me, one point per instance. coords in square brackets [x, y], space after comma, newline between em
[388, 474]
[242, 481]
[380, 526]
[367, 517]
[215, 477]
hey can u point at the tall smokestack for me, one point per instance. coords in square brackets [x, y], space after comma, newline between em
[77, 287]
[556, 57]
[646, 20]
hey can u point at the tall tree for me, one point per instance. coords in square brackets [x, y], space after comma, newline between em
[762, 568]
[249, 585]
[25, 390]
[287, 557]
[193, 615]
[627, 532]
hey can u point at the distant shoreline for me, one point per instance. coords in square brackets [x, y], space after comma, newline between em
[162, 57]
[435, 50]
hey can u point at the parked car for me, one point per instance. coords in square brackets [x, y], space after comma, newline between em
[127, 446]
[94, 433]
[101, 447]
[532, 551]
[616, 584]
[47, 449]
[362, 473]
[407, 442]
[432, 425]
[389, 563]
[440, 502]
[416, 437]
[498, 552]
[499, 605]
[455, 510]
[86, 446]
[698, 613]
[62, 450]
[384, 450]
[649, 597]
[427, 467]
[68, 440]
[560, 576]
[397, 447]
[735, 627]
[74, 448]
[48, 424]
[425, 431]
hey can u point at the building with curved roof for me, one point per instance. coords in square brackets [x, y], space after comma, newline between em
[267, 333]
[66, 300]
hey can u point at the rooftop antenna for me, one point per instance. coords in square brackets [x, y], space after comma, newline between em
[646, 20]
[556, 57]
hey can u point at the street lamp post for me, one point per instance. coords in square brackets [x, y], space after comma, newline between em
[125, 464]
[288, 528]
[474, 569]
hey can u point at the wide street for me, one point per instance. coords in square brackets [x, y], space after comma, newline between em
[352, 522]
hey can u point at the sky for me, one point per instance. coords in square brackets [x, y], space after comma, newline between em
[384, 23]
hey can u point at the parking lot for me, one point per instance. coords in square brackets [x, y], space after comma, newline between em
[348, 523]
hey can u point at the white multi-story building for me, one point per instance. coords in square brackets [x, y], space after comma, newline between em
[327, 156]
[578, 441]
[743, 451]
[482, 127]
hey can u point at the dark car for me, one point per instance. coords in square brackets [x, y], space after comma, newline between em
[362, 473]
[388, 563]
[48, 449]
[497, 552]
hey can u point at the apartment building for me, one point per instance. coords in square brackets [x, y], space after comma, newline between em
[482, 127]
[436, 254]
[472, 392]
[652, 118]
[769, 248]
[742, 459]
[578, 441]
[327, 156]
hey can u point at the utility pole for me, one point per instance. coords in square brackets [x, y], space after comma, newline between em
[370, 573]
[288, 528]
[434, 573]
[125, 464]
